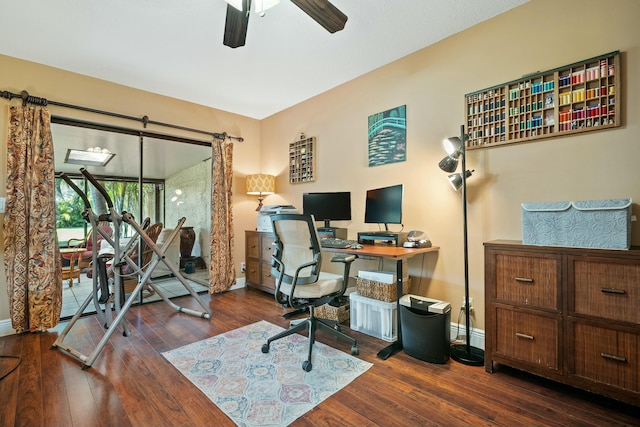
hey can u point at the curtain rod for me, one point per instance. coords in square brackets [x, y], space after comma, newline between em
[29, 99]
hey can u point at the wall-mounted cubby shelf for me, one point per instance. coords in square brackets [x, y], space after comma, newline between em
[579, 97]
[302, 160]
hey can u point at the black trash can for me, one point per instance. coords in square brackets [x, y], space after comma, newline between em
[425, 325]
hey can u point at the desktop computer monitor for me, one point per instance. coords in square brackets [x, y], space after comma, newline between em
[384, 206]
[327, 207]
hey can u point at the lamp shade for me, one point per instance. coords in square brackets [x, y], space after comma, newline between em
[261, 184]
[448, 164]
[456, 179]
[453, 146]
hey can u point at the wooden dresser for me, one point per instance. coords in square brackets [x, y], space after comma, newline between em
[257, 252]
[568, 314]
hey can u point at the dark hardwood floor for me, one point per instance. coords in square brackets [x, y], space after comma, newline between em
[131, 384]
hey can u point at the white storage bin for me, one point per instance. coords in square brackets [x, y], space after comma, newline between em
[603, 224]
[374, 317]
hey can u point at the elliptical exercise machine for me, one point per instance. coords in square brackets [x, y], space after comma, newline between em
[109, 301]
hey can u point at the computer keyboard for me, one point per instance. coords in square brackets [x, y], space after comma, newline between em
[335, 243]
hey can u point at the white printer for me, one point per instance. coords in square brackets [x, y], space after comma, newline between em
[264, 217]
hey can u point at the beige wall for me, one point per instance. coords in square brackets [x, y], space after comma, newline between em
[538, 36]
[62, 86]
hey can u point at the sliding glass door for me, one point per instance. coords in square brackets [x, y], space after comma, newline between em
[163, 179]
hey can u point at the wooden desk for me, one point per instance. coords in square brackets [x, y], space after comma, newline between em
[73, 271]
[399, 254]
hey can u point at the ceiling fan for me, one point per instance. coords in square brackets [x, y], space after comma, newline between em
[235, 31]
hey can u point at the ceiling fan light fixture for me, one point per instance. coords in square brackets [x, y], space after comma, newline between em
[235, 3]
[237, 17]
[260, 6]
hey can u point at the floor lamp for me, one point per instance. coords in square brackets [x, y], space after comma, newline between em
[455, 147]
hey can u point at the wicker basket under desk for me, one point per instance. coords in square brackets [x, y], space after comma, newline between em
[381, 291]
[329, 312]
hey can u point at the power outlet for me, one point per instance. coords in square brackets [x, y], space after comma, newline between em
[462, 306]
[243, 266]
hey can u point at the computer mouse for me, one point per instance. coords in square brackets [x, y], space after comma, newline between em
[356, 246]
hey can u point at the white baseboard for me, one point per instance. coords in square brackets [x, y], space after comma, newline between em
[5, 328]
[240, 283]
[477, 335]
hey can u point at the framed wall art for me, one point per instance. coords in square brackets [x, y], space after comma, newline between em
[387, 141]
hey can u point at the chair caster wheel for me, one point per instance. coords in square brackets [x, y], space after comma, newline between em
[306, 366]
[265, 348]
[354, 350]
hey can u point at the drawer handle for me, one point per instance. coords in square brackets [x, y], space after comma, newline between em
[612, 357]
[524, 279]
[613, 291]
[529, 337]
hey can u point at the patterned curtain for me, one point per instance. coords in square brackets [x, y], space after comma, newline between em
[31, 254]
[222, 274]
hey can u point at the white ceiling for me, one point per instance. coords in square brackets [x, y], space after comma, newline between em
[174, 47]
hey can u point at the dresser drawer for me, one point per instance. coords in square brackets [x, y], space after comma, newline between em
[527, 338]
[267, 248]
[531, 280]
[252, 249]
[253, 271]
[605, 355]
[268, 278]
[606, 288]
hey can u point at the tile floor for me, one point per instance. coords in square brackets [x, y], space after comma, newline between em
[73, 297]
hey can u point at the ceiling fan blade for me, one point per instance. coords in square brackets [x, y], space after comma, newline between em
[324, 13]
[235, 28]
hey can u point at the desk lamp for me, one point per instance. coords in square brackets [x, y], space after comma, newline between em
[455, 147]
[261, 185]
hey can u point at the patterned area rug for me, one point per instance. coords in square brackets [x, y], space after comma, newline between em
[257, 389]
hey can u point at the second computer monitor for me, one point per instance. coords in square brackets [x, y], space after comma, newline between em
[384, 206]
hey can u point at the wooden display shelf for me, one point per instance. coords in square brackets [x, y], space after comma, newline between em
[302, 160]
[579, 97]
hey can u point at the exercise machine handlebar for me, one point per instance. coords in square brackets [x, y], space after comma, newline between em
[98, 186]
[87, 205]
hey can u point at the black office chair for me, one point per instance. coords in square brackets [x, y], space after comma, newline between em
[296, 264]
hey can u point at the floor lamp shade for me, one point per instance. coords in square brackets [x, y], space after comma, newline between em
[261, 185]
[455, 147]
[456, 179]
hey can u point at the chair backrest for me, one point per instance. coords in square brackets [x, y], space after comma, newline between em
[153, 231]
[296, 245]
[104, 227]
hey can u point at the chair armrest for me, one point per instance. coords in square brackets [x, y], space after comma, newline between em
[76, 243]
[344, 258]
